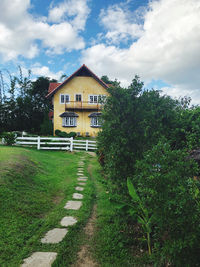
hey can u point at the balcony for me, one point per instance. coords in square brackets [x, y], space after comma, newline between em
[83, 105]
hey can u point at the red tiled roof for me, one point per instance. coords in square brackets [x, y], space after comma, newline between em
[52, 86]
[73, 75]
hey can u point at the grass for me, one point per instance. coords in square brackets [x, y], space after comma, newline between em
[34, 187]
[114, 242]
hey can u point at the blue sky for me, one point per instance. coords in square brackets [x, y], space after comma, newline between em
[159, 40]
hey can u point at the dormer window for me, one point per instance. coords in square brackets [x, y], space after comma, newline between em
[96, 120]
[69, 119]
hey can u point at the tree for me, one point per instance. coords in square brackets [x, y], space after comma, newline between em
[134, 121]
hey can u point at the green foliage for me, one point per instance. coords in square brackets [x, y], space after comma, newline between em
[24, 104]
[164, 180]
[64, 134]
[134, 120]
[9, 138]
[141, 213]
[165, 196]
[46, 126]
[57, 132]
[72, 134]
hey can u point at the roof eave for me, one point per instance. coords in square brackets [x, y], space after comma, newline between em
[74, 74]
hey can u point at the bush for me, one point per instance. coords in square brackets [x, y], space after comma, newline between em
[57, 132]
[63, 134]
[72, 134]
[9, 138]
[164, 181]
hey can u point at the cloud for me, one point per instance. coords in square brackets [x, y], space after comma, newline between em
[120, 23]
[167, 50]
[76, 11]
[21, 31]
[39, 70]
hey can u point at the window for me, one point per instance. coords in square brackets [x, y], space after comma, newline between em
[96, 122]
[78, 98]
[69, 121]
[93, 99]
[64, 99]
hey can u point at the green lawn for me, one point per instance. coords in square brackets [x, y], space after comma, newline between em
[34, 187]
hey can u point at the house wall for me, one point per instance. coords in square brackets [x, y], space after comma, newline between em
[78, 85]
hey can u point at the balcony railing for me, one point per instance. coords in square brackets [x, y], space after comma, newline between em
[83, 105]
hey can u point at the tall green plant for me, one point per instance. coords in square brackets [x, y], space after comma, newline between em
[141, 212]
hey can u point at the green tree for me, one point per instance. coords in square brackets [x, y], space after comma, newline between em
[134, 120]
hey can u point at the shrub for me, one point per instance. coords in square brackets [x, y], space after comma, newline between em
[57, 132]
[164, 181]
[9, 138]
[63, 134]
[72, 134]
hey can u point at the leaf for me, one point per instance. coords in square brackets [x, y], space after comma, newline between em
[132, 191]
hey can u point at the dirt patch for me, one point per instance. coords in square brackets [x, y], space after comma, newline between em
[84, 256]
[92, 153]
[58, 198]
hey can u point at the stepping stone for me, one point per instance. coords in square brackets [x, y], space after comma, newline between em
[73, 205]
[40, 259]
[82, 179]
[78, 188]
[80, 171]
[54, 236]
[82, 183]
[68, 220]
[80, 174]
[77, 196]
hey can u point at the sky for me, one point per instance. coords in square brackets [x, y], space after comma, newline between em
[159, 40]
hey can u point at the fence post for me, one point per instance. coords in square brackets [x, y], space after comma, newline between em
[71, 144]
[86, 148]
[38, 143]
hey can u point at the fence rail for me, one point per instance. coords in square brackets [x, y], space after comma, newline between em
[54, 143]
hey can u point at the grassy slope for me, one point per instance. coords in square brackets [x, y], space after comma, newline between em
[34, 186]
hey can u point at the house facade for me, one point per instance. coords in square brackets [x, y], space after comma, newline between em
[78, 102]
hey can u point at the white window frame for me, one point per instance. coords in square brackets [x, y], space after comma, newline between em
[69, 122]
[98, 96]
[95, 122]
[75, 97]
[64, 98]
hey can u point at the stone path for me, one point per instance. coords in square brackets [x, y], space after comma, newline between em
[56, 235]
[40, 259]
[68, 220]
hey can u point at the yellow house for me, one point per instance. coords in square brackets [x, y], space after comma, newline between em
[77, 102]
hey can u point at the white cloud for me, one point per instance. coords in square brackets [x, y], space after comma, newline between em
[168, 50]
[76, 11]
[45, 71]
[20, 31]
[120, 23]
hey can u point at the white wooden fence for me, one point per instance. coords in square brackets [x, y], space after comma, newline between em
[54, 143]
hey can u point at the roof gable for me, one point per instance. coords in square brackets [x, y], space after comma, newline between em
[52, 86]
[83, 71]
